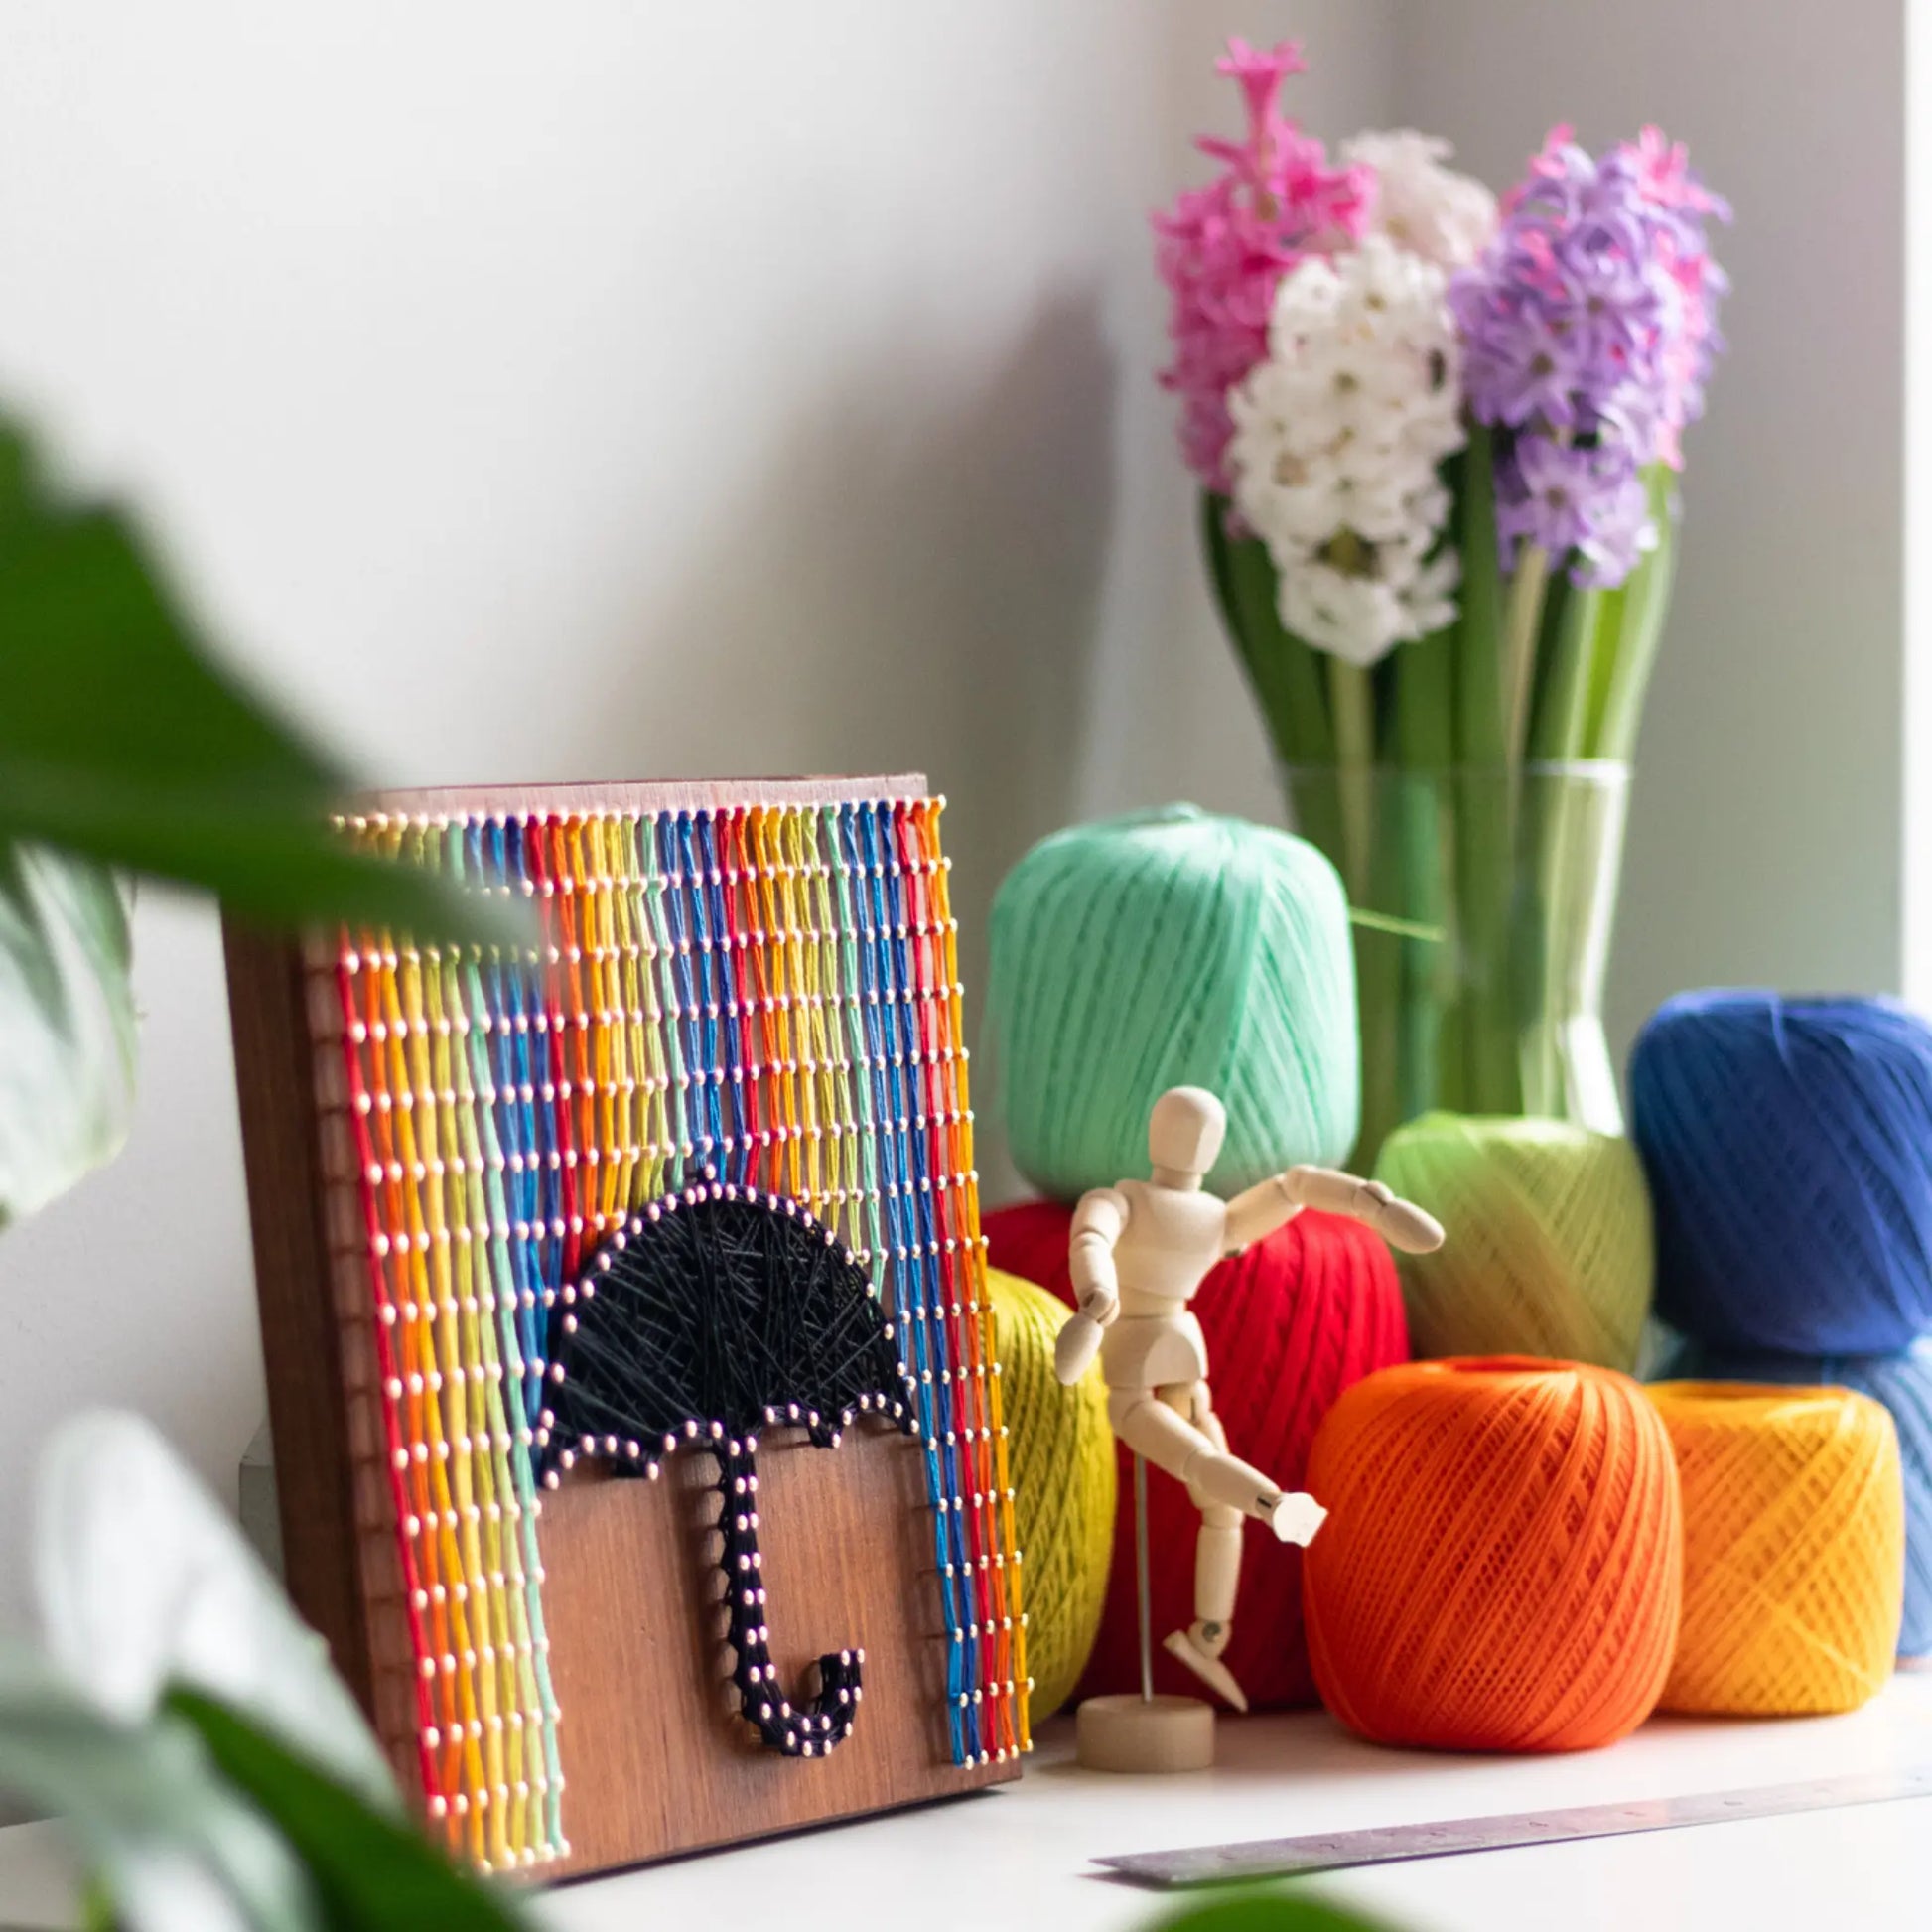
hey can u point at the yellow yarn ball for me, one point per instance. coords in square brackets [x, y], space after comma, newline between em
[1060, 1460]
[1794, 1547]
[1548, 1249]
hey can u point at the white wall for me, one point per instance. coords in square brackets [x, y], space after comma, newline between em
[1917, 866]
[1766, 834]
[609, 391]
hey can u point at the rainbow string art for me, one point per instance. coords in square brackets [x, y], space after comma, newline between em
[761, 999]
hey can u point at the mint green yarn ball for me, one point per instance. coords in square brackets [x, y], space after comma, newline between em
[1172, 948]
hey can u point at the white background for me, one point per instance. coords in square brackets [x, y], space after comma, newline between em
[621, 389]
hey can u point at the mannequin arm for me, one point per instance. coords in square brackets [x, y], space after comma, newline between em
[1098, 1224]
[1255, 1215]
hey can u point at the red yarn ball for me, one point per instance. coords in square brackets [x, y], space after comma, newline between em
[1290, 1323]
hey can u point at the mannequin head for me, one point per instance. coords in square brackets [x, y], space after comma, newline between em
[1185, 1132]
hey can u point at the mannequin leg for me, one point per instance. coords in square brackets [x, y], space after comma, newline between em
[1218, 1554]
[1217, 1576]
[1149, 1425]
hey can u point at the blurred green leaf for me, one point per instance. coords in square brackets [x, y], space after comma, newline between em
[1265, 1911]
[67, 1018]
[120, 739]
[372, 1874]
[163, 1833]
[142, 1580]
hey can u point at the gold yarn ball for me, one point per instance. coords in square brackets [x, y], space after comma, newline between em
[1060, 1461]
[1548, 1249]
[1794, 1547]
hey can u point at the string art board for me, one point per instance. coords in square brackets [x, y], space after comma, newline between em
[638, 1436]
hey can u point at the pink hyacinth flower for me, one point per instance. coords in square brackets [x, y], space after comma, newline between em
[1223, 250]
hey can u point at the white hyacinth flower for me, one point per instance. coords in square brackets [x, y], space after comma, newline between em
[1423, 207]
[1337, 436]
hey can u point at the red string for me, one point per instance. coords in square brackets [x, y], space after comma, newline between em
[361, 1104]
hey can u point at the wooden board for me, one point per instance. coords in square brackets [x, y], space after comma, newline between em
[679, 1768]
[654, 1757]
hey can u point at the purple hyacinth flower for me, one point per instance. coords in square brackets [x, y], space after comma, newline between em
[1545, 488]
[1589, 330]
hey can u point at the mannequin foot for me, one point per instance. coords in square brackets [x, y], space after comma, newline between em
[1297, 1517]
[1201, 1655]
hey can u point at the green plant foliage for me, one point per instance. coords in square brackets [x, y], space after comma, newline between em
[121, 740]
[1265, 1911]
[66, 1024]
[167, 1840]
[372, 1874]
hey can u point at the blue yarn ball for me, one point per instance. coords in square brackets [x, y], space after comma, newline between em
[1903, 1383]
[1788, 1145]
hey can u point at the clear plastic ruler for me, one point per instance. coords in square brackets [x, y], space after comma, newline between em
[1284, 1858]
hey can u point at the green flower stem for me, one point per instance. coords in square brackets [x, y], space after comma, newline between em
[1552, 835]
[1281, 670]
[1478, 797]
[1428, 1013]
[1352, 703]
[1483, 891]
[1559, 728]
[1479, 667]
[1522, 627]
[1370, 866]
[1646, 598]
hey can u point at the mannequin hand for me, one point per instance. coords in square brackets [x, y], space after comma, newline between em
[1297, 1517]
[1074, 1348]
[1402, 1225]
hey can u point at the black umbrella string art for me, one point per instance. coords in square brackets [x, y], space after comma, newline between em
[712, 1314]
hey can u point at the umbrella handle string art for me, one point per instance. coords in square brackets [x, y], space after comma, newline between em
[695, 1329]
[753, 1008]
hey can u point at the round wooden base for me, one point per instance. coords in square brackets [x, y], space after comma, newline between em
[1132, 1733]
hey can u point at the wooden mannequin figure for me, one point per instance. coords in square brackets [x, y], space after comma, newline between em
[1140, 1250]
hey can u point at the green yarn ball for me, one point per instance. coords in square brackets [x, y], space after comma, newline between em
[1172, 948]
[1548, 1249]
[1060, 1463]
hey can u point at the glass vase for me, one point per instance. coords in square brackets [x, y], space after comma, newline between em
[1487, 896]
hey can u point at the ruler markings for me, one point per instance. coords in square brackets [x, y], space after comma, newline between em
[1285, 1857]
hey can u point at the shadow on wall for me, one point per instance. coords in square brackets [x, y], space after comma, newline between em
[914, 584]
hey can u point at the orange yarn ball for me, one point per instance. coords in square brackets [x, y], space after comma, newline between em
[1500, 1565]
[1794, 1547]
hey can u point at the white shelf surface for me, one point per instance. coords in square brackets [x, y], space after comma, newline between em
[1017, 1858]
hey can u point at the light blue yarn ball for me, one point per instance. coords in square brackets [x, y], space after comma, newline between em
[1172, 948]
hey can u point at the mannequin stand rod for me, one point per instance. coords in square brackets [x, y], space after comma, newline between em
[1142, 1587]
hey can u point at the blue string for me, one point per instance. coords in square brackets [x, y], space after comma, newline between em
[682, 915]
[710, 928]
[902, 1168]
[509, 985]
[926, 1181]
[530, 1004]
